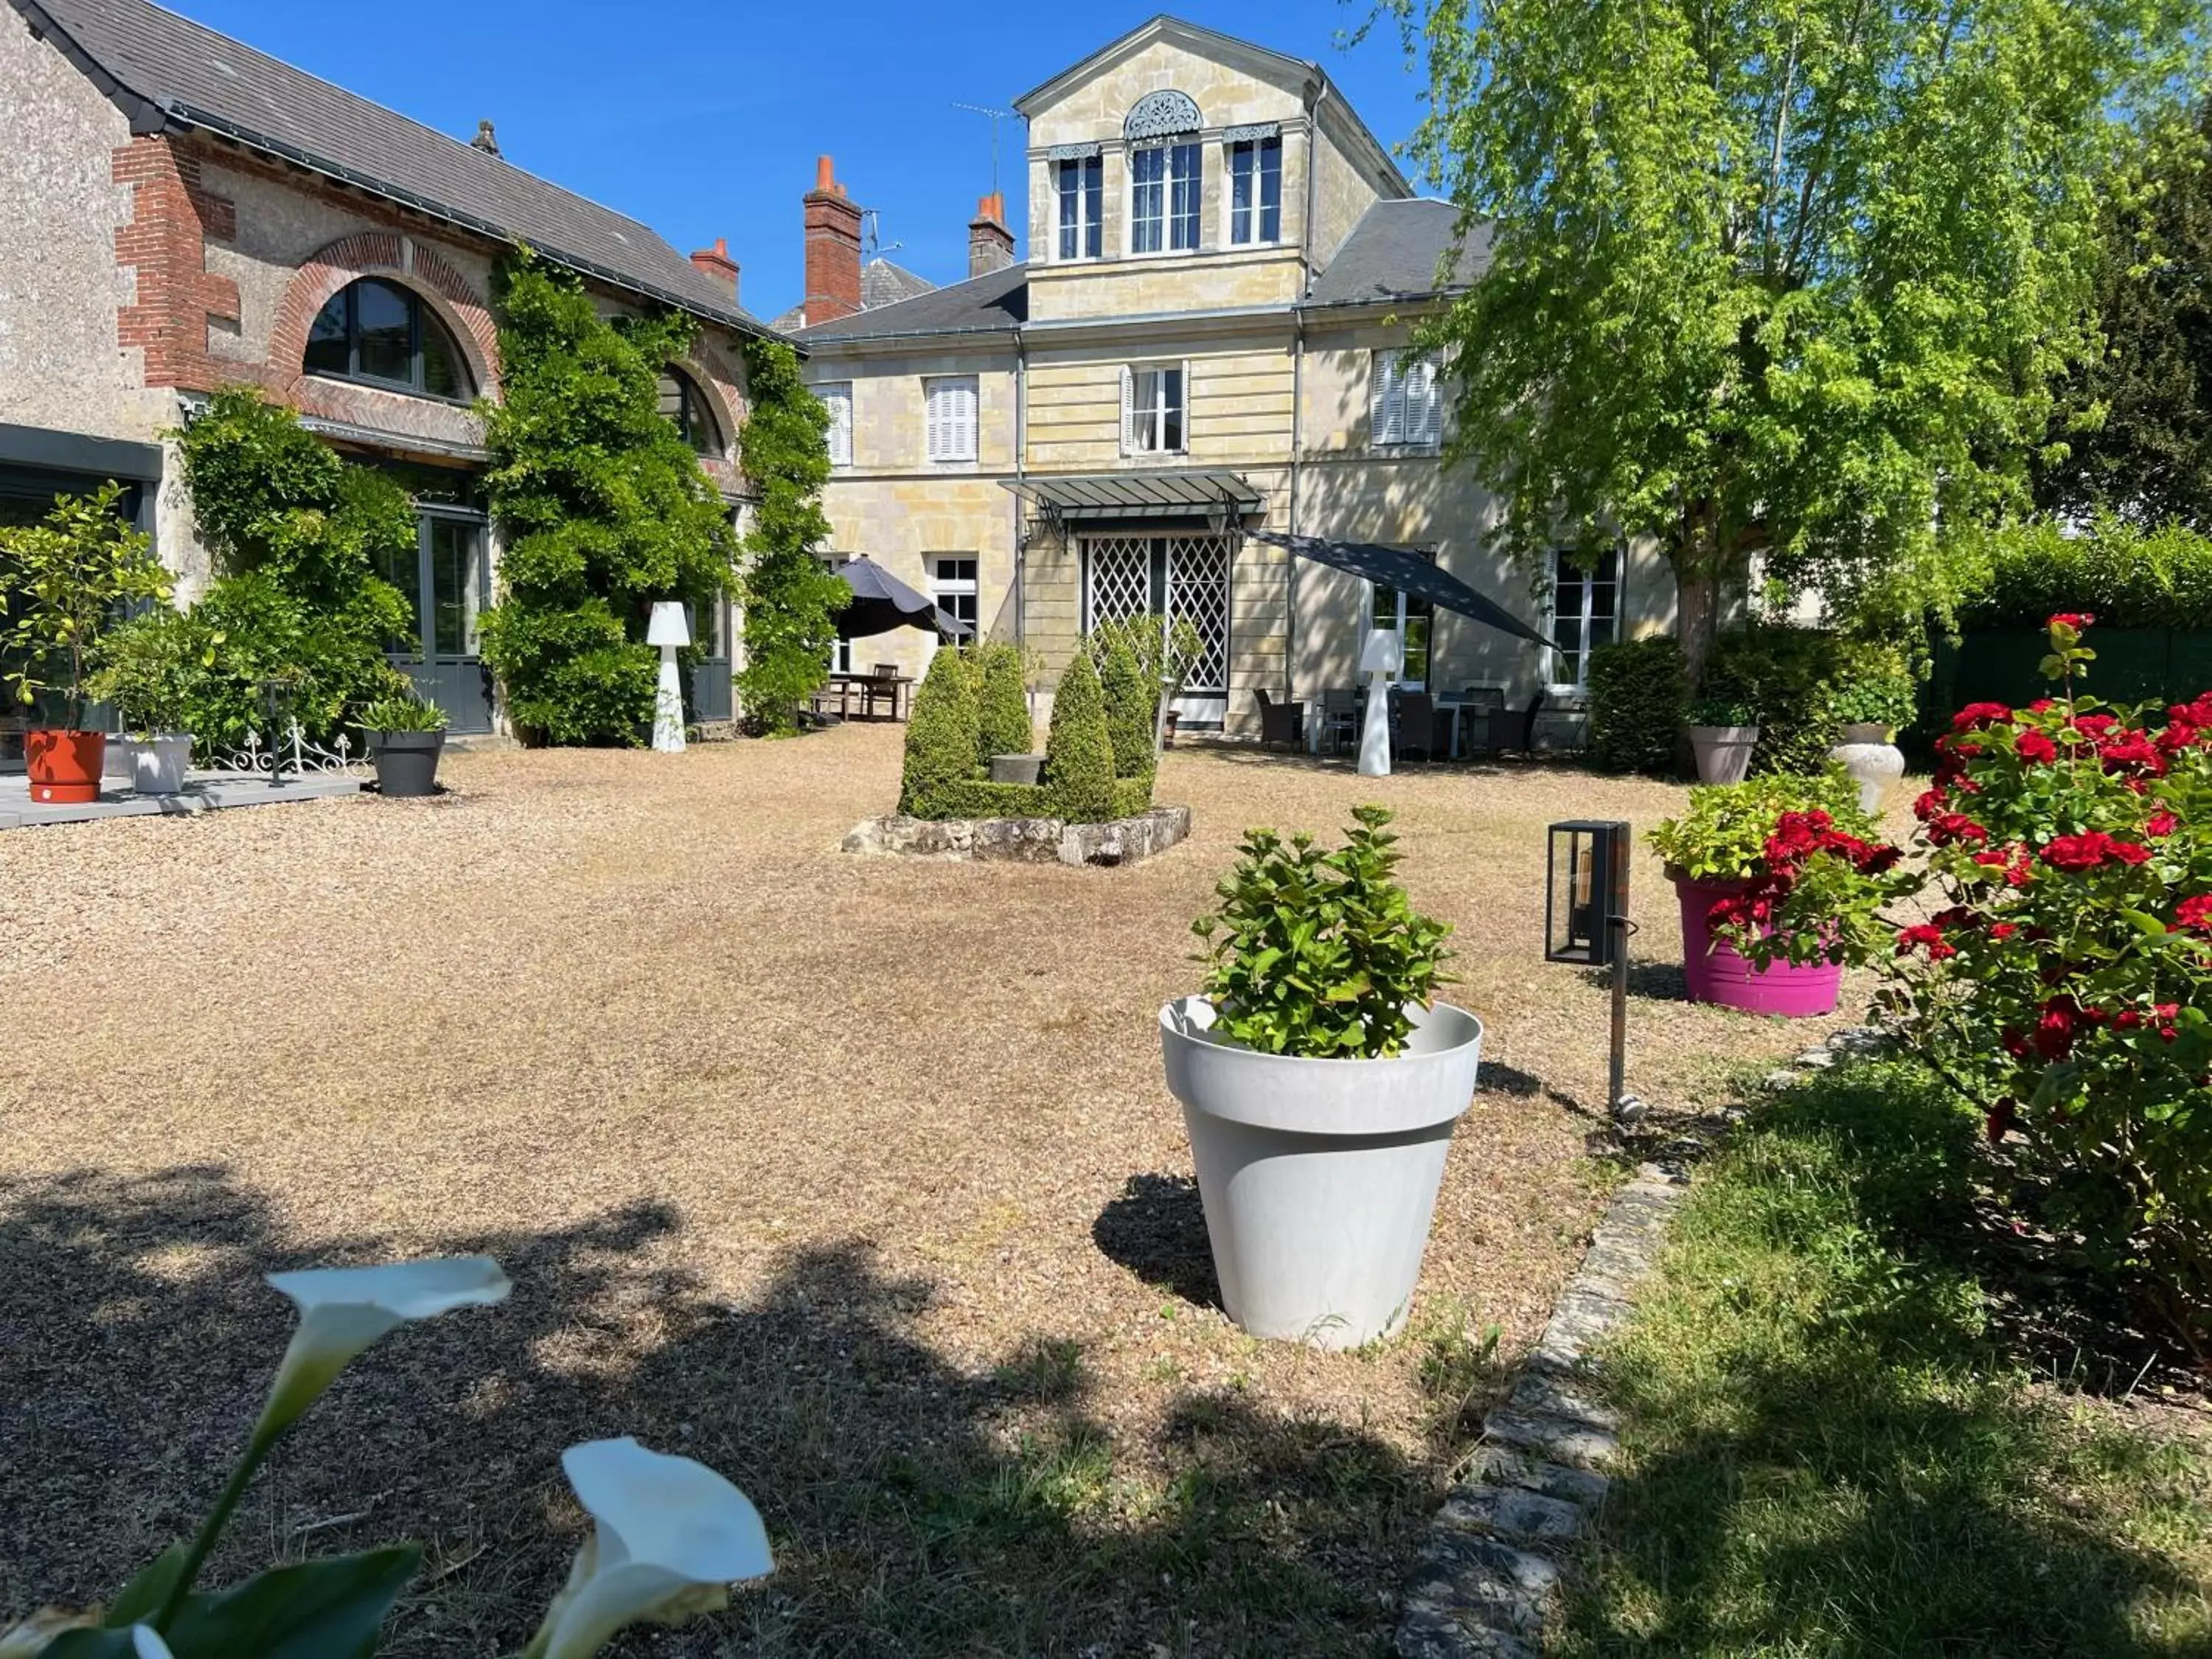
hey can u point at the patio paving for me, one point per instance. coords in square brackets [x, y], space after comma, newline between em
[203, 792]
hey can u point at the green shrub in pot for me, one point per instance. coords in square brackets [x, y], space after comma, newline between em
[149, 669]
[1723, 712]
[403, 711]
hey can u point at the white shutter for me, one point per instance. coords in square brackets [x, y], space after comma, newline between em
[1423, 424]
[968, 417]
[1187, 401]
[1128, 411]
[1387, 417]
[839, 401]
[932, 398]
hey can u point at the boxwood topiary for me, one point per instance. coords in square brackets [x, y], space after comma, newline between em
[941, 739]
[1078, 752]
[1638, 690]
[1004, 717]
[1129, 707]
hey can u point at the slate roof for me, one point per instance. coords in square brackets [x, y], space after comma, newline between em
[995, 301]
[1394, 251]
[882, 284]
[168, 73]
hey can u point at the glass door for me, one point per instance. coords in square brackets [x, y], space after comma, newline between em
[447, 586]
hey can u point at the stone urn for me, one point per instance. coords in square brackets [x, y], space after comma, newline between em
[1874, 761]
[1724, 753]
[1017, 769]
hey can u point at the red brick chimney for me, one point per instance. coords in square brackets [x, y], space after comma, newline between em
[990, 244]
[715, 261]
[833, 249]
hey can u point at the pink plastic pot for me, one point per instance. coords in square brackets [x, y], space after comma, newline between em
[1717, 974]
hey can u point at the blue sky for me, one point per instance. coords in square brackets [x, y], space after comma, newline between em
[704, 120]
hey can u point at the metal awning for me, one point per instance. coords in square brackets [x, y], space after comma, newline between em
[1138, 495]
[1402, 568]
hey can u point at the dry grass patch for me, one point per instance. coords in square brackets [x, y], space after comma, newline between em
[856, 1178]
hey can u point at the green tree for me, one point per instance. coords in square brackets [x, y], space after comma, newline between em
[603, 503]
[2132, 435]
[1789, 275]
[1007, 727]
[791, 601]
[941, 738]
[1079, 750]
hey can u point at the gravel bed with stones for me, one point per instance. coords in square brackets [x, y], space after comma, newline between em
[856, 1178]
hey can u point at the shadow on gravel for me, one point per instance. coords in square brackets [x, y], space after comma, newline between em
[1156, 1228]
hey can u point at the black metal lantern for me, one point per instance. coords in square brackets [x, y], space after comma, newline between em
[1586, 891]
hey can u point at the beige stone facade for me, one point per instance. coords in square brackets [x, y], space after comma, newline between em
[1277, 378]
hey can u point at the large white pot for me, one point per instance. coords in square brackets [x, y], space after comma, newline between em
[1319, 1176]
[158, 763]
[1875, 764]
[1724, 753]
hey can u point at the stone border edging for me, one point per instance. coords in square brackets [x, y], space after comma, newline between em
[1498, 1550]
[1024, 841]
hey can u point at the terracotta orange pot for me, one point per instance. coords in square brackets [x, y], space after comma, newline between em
[64, 766]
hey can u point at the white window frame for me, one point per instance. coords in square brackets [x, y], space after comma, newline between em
[1159, 406]
[1229, 149]
[837, 397]
[1410, 682]
[942, 588]
[1167, 149]
[1579, 589]
[1089, 226]
[840, 651]
[1405, 410]
[948, 433]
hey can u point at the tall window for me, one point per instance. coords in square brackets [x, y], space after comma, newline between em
[1082, 207]
[952, 585]
[378, 331]
[949, 408]
[1255, 191]
[1164, 184]
[840, 651]
[682, 401]
[837, 399]
[1153, 410]
[1585, 612]
[1410, 615]
[1407, 407]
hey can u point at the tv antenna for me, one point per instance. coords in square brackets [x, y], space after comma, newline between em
[871, 234]
[996, 116]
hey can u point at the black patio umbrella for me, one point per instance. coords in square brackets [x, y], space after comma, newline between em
[882, 602]
[1403, 569]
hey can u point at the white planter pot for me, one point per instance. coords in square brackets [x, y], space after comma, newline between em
[118, 762]
[1724, 753]
[1875, 764]
[159, 763]
[1319, 1176]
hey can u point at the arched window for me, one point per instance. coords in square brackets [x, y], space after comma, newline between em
[683, 402]
[380, 332]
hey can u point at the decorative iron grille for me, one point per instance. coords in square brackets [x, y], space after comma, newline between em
[1119, 570]
[1198, 593]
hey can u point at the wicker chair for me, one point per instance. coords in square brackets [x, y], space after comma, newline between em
[1280, 722]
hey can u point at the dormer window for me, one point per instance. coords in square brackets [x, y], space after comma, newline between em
[1082, 189]
[1256, 190]
[382, 333]
[1165, 182]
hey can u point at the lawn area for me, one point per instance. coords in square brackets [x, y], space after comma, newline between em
[854, 1177]
[1859, 1422]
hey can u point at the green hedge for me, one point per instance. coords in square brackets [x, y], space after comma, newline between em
[941, 739]
[1032, 800]
[1003, 704]
[1791, 679]
[1078, 750]
[2129, 576]
[1129, 705]
[1637, 691]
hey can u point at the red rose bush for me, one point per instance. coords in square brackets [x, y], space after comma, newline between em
[2061, 973]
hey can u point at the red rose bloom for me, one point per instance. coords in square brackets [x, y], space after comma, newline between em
[2075, 620]
[2036, 748]
[1980, 713]
[2195, 912]
[2074, 854]
[1925, 935]
[2126, 1020]
[2161, 823]
[2054, 1027]
[1950, 827]
[2003, 930]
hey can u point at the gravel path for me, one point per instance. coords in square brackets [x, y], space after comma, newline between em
[856, 1176]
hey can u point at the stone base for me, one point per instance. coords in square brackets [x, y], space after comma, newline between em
[1024, 841]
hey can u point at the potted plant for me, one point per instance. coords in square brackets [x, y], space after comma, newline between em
[1741, 849]
[1320, 1081]
[1723, 732]
[406, 733]
[1870, 709]
[146, 674]
[62, 583]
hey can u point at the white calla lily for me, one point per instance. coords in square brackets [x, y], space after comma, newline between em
[148, 1643]
[344, 1309]
[671, 1537]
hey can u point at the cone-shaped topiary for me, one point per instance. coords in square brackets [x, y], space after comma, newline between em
[1004, 714]
[1129, 707]
[1078, 752]
[940, 738]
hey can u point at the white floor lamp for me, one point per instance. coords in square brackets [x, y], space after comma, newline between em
[1380, 659]
[670, 631]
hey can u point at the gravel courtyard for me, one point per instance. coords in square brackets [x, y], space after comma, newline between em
[855, 1177]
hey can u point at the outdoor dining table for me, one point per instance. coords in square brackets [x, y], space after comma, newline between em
[1463, 711]
[871, 686]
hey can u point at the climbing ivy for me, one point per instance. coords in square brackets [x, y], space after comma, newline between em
[790, 602]
[604, 506]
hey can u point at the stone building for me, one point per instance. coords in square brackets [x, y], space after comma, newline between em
[192, 213]
[1208, 338]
